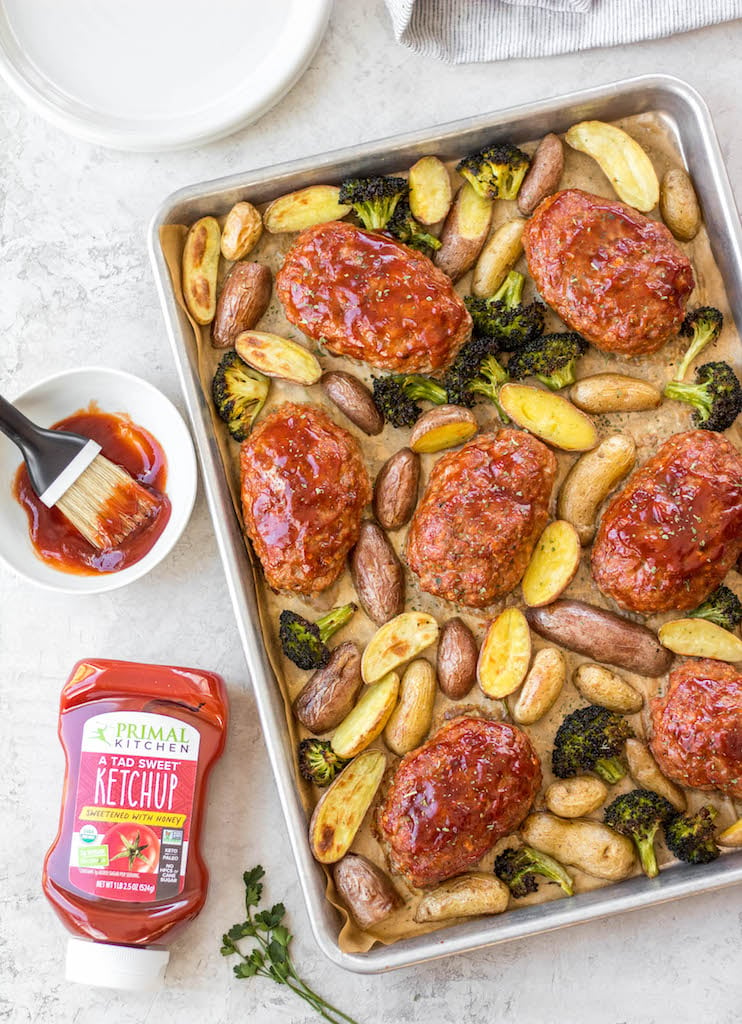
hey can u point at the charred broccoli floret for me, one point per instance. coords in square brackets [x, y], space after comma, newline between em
[239, 393]
[305, 642]
[550, 358]
[590, 739]
[722, 607]
[373, 199]
[465, 369]
[396, 396]
[405, 228]
[702, 326]
[497, 171]
[503, 316]
[518, 868]
[691, 836]
[490, 379]
[716, 396]
[638, 815]
[318, 762]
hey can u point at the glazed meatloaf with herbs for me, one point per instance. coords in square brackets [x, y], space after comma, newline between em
[368, 297]
[670, 537]
[697, 727]
[304, 486]
[482, 512]
[611, 273]
[451, 799]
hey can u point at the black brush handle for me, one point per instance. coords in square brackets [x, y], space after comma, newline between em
[46, 452]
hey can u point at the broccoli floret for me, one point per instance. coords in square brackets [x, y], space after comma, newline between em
[465, 369]
[318, 762]
[518, 869]
[503, 316]
[489, 381]
[703, 326]
[716, 396]
[722, 607]
[373, 199]
[405, 228]
[638, 815]
[305, 642]
[396, 396]
[590, 739]
[497, 171]
[239, 393]
[691, 836]
[551, 359]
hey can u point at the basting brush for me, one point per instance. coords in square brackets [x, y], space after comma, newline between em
[100, 499]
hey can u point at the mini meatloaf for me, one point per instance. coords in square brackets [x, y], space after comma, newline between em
[304, 486]
[369, 297]
[482, 512]
[697, 727]
[450, 800]
[612, 274]
[674, 532]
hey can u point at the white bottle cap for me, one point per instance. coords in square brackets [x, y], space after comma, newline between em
[101, 963]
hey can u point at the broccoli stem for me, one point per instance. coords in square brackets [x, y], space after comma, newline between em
[647, 855]
[553, 870]
[418, 387]
[511, 290]
[610, 769]
[334, 620]
[695, 394]
[494, 377]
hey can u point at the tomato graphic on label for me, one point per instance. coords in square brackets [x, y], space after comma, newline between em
[136, 847]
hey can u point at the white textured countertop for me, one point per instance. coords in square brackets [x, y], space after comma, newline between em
[76, 288]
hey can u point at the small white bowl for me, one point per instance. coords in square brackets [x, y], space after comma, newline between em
[113, 391]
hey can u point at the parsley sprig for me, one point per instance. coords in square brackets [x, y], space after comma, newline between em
[270, 958]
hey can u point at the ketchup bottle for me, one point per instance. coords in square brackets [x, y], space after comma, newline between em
[125, 868]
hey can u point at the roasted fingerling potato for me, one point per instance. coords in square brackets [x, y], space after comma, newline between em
[242, 230]
[430, 190]
[409, 722]
[505, 654]
[365, 889]
[465, 896]
[549, 416]
[354, 399]
[591, 480]
[464, 232]
[342, 808]
[542, 686]
[553, 564]
[646, 773]
[544, 174]
[445, 427]
[244, 298]
[377, 574]
[296, 211]
[497, 258]
[367, 719]
[588, 845]
[397, 642]
[576, 797]
[699, 638]
[331, 692]
[614, 392]
[599, 685]
[679, 205]
[199, 269]
[457, 659]
[621, 159]
[395, 489]
[278, 357]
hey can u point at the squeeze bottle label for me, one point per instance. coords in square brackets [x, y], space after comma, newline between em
[135, 791]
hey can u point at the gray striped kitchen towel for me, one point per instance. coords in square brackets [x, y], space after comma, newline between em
[459, 31]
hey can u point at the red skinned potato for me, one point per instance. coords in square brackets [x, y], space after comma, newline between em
[244, 298]
[395, 489]
[377, 574]
[365, 889]
[543, 175]
[329, 695]
[457, 659]
[353, 398]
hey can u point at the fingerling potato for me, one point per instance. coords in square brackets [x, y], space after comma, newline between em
[553, 564]
[645, 772]
[731, 836]
[296, 211]
[395, 489]
[397, 642]
[443, 427]
[679, 205]
[365, 889]
[242, 230]
[457, 659]
[353, 398]
[367, 719]
[614, 392]
[698, 638]
[244, 298]
[465, 896]
[278, 357]
[549, 416]
[199, 269]
[574, 798]
[543, 176]
[601, 635]
[342, 808]
[590, 846]
[377, 574]
[331, 692]
[505, 654]
[591, 480]
[542, 687]
[599, 685]
[464, 232]
[621, 159]
[409, 722]
[430, 190]
[497, 258]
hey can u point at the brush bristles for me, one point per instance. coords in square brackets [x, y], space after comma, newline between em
[106, 505]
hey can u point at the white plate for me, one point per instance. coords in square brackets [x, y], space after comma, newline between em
[156, 74]
[114, 391]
